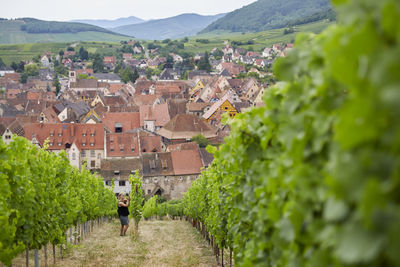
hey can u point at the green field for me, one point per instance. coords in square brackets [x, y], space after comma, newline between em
[18, 52]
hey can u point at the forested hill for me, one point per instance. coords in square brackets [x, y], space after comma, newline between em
[270, 14]
[29, 30]
[31, 25]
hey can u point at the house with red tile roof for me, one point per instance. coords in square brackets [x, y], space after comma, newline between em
[119, 122]
[183, 127]
[82, 142]
[122, 145]
[153, 117]
[150, 144]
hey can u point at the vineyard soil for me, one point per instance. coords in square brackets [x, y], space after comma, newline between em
[160, 243]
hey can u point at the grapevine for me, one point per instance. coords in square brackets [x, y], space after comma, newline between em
[312, 178]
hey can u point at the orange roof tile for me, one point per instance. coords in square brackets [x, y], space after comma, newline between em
[186, 162]
[128, 120]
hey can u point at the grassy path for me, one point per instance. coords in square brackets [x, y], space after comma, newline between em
[160, 243]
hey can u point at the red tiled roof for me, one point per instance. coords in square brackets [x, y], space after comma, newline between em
[141, 100]
[110, 60]
[186, 162]
[128, 120]
[122, 145]
[183, 146]
[158, 113]
[84, 71]
[114, 87]
[150, 144]
[185, 126]
[85, 136]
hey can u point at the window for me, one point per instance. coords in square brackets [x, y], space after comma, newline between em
[98, 156]
[92, 153]
[83, 153]
[92, 134]
[148, 191]
[51, 144]
[122, 150]
[59, 144]
[121, 183]
[109, 182]
[133, 172]
[51, 134]
[152, 164]
[91, 144]
[116, 172]
[92, 163]
[112, 149]
[73, 156]
[59, 134]
[83, 144]
[133, 149]
[84, 134]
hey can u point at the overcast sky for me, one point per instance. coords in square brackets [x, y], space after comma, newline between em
[112, 9]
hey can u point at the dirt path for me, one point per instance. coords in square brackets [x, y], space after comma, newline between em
[160, 243]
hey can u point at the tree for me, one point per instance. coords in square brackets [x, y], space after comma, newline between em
[129, 76]
[2, 64]
[204, 63]
[31, 70]
[200, 140]
[83, 54]
[18, 67]
[60, 69]
[61, 53]
[57, 85]
[98, 63]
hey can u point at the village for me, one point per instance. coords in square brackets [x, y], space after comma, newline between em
[155, 119]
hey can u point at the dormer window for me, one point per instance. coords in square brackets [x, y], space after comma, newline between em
[83, 144]
[116, 172]
[59, 144]
[91, 144]
[51, 144]
[133, 149]
[112, 149]
[83, 134]
[51, 134]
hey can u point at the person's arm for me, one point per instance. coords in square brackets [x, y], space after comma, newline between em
[122, 204]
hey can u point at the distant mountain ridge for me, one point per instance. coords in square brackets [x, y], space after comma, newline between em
[173, 27]
[268, 14]
[108, 24]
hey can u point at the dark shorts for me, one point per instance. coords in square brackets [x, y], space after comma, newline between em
[124, 220]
